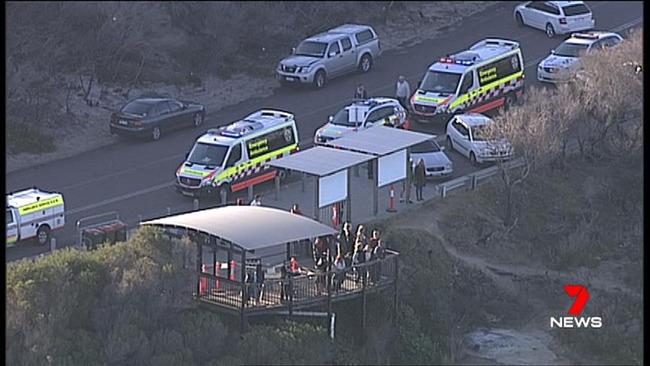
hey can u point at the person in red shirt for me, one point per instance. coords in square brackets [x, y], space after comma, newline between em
[294, 268]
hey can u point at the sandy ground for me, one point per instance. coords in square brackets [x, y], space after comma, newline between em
[422, 21]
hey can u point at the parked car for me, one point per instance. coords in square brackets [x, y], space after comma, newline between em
[465, 134]
[564, 62]
[555, 17]
[436, 162]
[151, 117]
[324, 56]
[362, 114]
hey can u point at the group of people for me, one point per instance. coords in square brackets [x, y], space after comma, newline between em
[402, 91]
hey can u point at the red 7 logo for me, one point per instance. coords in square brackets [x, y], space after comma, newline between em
[582, 296]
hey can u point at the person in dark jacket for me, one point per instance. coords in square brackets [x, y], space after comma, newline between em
[358, 258]
[361, 92]
[284, 289]
[420, 179]
[346, 241]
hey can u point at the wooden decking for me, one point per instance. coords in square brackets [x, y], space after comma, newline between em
[306, 290]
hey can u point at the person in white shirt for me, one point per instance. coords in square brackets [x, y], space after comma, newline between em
[256, 201]
[403, 91]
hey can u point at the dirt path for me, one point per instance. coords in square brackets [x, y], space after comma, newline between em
[531, 342]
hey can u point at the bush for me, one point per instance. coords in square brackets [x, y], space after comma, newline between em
[27, 139]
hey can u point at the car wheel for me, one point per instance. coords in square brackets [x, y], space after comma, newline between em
[550, 32]
[43, 235]
[319, 79]
[519, 19]
[450, 144]
[197, 120]
[365, 64]
[155, 133]
[509, 102]
[472, 158]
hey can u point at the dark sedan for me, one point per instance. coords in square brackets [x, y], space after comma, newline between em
[151, 117]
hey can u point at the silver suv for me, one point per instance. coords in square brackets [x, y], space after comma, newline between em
[327, 55]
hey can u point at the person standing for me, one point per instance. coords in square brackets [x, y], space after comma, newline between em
[257, 201]
[358, 258]
[361, 236]
[295, 209]
[346, 240]
[339, 272]
[420, 179]
[361, 92]
[374, 240]
[403, 91]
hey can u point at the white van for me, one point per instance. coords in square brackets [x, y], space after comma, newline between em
[233, 157]
[33, 213]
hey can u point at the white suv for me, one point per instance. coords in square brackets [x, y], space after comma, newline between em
[564, 62]
[464, 134]
[360, 115]
[555, 17]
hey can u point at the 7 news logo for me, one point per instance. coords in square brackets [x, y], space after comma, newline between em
[581, 295]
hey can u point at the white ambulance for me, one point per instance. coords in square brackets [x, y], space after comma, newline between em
[33, 213]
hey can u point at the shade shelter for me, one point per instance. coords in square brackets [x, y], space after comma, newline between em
[389, 148]
[252, 229]
[331, 167]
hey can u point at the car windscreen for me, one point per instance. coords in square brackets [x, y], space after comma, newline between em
[207, 154]
[342, 118]
[310, 48]
[576, 9]
[138, 108]
[567, 49]
[440, 82]
[428, 146]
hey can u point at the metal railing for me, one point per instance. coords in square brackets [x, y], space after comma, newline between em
[303, 289]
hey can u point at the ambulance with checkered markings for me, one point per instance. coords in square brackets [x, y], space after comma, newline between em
[490, 74]
[33, 213]
[233, 157]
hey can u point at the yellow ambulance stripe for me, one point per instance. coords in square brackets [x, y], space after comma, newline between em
[486, 88]
[41, 205]
[251, 163]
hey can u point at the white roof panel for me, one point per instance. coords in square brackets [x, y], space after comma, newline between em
[249, 227]
[320, 161]
[379, 140]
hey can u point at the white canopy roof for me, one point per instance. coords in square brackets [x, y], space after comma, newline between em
[249, 227]
[320, 161]
[379, 140]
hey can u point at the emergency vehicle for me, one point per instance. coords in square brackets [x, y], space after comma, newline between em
[33, 213]
[233, 157]
[488, 75]
[362, 114]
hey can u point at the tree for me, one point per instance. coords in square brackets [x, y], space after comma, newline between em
[534, 134]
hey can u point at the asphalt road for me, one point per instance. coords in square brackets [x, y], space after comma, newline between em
[136, 178]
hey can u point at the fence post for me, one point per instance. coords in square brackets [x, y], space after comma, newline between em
[52, 244]
[474, 181]
[443, 191]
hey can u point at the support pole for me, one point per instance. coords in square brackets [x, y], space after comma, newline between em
[474, 181]
[277, 187]
[229, 263]
[199, 265]
[375, 188]
[363, 302]
[328, 277]
[250, 193]
[244, 293]
[395, 291]
[316, 201]
[348, 199]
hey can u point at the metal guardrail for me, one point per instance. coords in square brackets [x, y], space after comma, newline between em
[472, 180]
